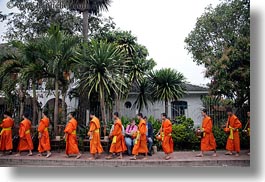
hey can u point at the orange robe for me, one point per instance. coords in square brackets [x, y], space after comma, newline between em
[44, 140]
[233, 140]
[6, 134]
[118, 142]
[95, 145]
[71, 140]
[25, 140]
[167, 141]
[140, 145]
[208, 140]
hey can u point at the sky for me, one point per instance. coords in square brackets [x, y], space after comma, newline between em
[161, 26]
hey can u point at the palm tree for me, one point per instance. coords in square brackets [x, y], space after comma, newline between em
[143, 90]
[59, 51]
[167, 84]
[88, 7]
[102, 66]
[24, 61]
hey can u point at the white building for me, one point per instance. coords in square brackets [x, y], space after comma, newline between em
[189, 105]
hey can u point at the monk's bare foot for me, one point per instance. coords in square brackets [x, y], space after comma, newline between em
[17, 155]
[228, 153]
[39, 154]
[237, 155]
[133, 158]
[214, 155]
[67, 156]
[91, 158]
[109, 157]
[167, 157]
[120, 157]
[48, 155]
[145, 158]
[78, 156]
[199, 155]
[30, 154]
[10, 152]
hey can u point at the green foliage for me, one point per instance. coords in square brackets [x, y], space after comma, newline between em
[167, 84]
[143, 90]
[183, 134]
[221, 42]
[37, 16]
[220, 137]
[216, 108]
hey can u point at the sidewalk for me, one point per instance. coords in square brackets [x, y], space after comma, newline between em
[179, 159]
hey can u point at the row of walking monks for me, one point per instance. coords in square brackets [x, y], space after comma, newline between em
[118, 145]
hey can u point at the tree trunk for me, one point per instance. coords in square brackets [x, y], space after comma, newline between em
[85, 25]
[63, 107]
[166, 107]
[103, 113]
[56, 107]
[34, 98]
[21, 96]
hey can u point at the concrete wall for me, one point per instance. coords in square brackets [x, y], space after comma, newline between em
[155, 109]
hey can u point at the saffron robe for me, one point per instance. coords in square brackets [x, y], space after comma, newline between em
[95, 145]
[140, 145]
[44, 140]
[25, 140]
[71, 140]
[118, 143]
[233, 140]
[6, 134]
[208, 140]
[167, 141]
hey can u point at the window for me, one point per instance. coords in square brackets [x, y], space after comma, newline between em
[178, 108]
[128, 104]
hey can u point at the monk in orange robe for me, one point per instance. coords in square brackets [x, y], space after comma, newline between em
[25, 140]
[44, 139]
[165, 132]
[118, 142]
[6, 133]
[207, 141]
[140, 145]
[70, 137]
[233, 140]
[94, 136]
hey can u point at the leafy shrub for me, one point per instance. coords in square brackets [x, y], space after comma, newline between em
[183, 134]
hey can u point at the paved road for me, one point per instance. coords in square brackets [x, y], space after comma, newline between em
[157, 160]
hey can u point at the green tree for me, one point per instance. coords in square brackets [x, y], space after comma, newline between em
[221, 42]
[59, 51]
[87, 7]
[101, 68]
[167, 84]
[143, 91]
[23, 61]
[37, 16]
[34, 18]
[138, 64]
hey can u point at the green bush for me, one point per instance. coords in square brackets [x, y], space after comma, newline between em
[183, 134]
[220, 137]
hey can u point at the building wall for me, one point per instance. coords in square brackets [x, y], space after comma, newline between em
[193, 111]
